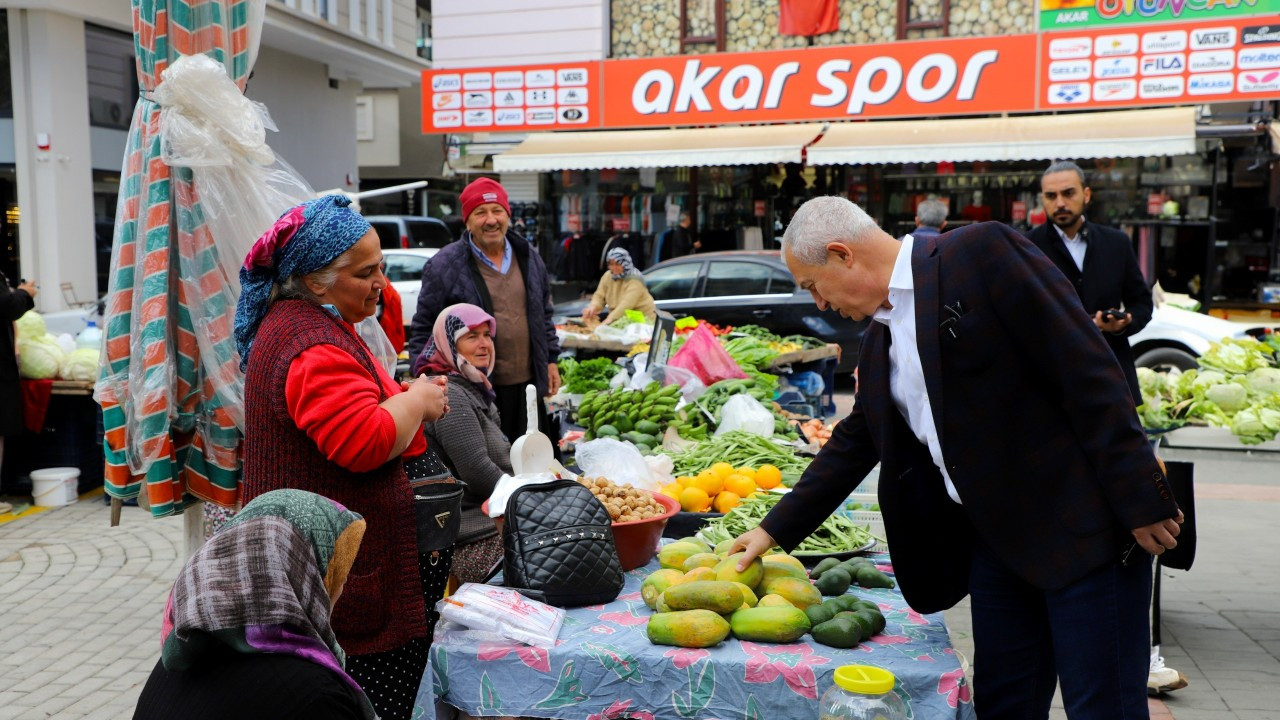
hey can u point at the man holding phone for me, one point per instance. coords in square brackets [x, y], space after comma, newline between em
[1099, 262]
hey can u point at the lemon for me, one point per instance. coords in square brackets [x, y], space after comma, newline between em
[694, 499]
[722, 469]
[708, 482]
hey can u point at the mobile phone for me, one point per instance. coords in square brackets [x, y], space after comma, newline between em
[1112, 314]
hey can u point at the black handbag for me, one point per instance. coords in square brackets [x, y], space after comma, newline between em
[1180, 476]
[437, 509]
[558, 546]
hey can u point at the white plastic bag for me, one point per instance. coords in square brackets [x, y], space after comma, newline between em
[503, 611]
[691, 388]
[379, 344]
[618, 461]
[745, 413]
[619, 379]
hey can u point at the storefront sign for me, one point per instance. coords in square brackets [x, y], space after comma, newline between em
[505, 99]
[1160, 65]
[1075, 14]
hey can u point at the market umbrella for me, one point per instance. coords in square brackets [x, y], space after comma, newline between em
[170, 386]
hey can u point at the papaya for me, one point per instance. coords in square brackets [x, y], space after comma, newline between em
[769, 624]
[727, 570]
[697, 574]
[774, 601]
[701, 560]
[837, 633]
[660, 605]
[748, 595]
[819, 614]
[696, 541]
[798, 592]
[717, 596]
[656, 583]
[775, 570]
[785, 559]
[870, 577]
[687, 628]
[722, 547]
[833, 582]
[673, 555]
[825, 565]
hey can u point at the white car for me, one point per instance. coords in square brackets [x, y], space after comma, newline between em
[403, 267]
[1176, 337]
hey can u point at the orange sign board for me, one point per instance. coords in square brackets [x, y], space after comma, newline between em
[929, 77]
[1209, 61]
[554, 96]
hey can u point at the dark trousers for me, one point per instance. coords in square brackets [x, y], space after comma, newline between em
[1090, 636]
[513, 414]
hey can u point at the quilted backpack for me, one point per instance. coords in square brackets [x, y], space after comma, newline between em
[558, 546]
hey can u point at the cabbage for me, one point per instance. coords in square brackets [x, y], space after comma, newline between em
[31, 326]
[81, 365]
[1207, 379]
[1256, 424]
[1236, 356]
[1264, 381]
[1152, 383]
[40, 358]
[1228, 396]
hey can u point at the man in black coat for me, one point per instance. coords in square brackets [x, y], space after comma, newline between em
[14, 302]
[1099, 262]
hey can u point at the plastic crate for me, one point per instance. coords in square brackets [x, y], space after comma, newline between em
[875, 524]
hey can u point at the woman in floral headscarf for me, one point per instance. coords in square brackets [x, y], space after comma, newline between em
[469, 439]
[621, 289]
[246, 630]
[322, 415]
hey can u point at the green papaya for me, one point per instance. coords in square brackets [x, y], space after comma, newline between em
[834, 582]
[769, 624]
[837, 633]
[715, 595]
[687, 628]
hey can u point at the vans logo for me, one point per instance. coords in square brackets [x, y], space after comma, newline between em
[1258, 58]
[1260, 35]
[1171, 64]
[571, 76]
[1213, 38]
[1121, 67]
[1168, 41]
[1155, 88]
[1210, 84]
[1208, 60]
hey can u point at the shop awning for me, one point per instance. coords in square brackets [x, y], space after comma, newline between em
[692, 147]
[1126, 133]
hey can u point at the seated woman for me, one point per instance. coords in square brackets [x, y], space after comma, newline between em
[621, 289]
[246, 632]
[469, 438]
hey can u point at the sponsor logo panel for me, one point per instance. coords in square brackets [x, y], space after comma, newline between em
[1161, 87]
[1068, 93]
[477, 99]
[508, 98]
[477, 81]
[540, 116]
[1260, 35]
[1210, 84]
[1115, 90]
[1120, 67]
[508, 116]
[571, 96]
[508, 80]
[1070, 48]
[446, 118]
[1060, 70]
[575, 115]
[1213, 38]
[1163, 42]
[1258, 81]
[1167, 64]
[446, 101]
[540, 97]
[1258, 58]
[446, 83]
[477, 118]
[1113, 45]
[571, 77]
[539, 78]
[1210, 60]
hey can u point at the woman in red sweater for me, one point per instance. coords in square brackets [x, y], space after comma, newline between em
[322, 415]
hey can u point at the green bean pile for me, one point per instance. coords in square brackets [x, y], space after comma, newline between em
[739, 449]
[837, 534]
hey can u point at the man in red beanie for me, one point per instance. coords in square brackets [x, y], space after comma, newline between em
[479, 269]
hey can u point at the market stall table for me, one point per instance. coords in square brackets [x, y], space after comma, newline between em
[603, 666]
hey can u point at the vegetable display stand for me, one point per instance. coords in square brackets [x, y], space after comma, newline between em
[579, 342]
[1194, 436]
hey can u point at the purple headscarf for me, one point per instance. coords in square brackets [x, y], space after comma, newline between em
[441, 357]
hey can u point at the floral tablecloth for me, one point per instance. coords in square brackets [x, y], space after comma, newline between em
[603, 667]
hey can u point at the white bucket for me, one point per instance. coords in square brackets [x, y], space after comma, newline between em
[55, 487]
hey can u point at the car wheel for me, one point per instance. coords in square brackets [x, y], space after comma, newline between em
[1164, 359]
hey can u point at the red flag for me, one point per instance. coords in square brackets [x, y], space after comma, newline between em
[808, 17]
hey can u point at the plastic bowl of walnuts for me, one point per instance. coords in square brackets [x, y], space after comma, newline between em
[638, 518]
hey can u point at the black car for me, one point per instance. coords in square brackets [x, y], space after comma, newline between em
[743, 287]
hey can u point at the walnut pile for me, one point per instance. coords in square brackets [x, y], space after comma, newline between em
[625, 503]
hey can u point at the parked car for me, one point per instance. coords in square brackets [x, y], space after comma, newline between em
[743, 287]
[410, 231]
[403, 268]
[1175, 338]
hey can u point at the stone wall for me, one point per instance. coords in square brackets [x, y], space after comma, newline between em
[645, 28]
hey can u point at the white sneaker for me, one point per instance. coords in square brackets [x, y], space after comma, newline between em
[1163, 679]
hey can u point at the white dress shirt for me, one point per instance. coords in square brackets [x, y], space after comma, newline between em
[906, 371]
[1076, 246]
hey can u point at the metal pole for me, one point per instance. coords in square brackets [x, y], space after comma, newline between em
[1211, 250]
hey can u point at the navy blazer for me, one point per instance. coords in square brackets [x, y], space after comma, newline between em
[1037, 429]
[1110, 279]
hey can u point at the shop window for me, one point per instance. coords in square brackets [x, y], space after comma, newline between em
[782, 283]
[923, 19]
[673, 283]
[113, 79]
[6, 80]
[725, 279]
[702, 21]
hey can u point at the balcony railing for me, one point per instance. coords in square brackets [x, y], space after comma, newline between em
[371, 19]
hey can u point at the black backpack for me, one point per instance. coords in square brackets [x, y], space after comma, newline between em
[558, 546]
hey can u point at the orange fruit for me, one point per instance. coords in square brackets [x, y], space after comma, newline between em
[739, 485]
[748, 471]
[683, 481]
[708, 482]
[694, 499]
[768, 477]
[672, 490]
[727, 501]
[722, 469]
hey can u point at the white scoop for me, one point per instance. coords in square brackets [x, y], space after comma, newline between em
[532, 452]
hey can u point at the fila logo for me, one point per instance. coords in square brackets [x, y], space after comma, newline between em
[1171, 64]
[1213, 38]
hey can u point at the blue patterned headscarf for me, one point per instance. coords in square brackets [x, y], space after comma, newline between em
[306, 238]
